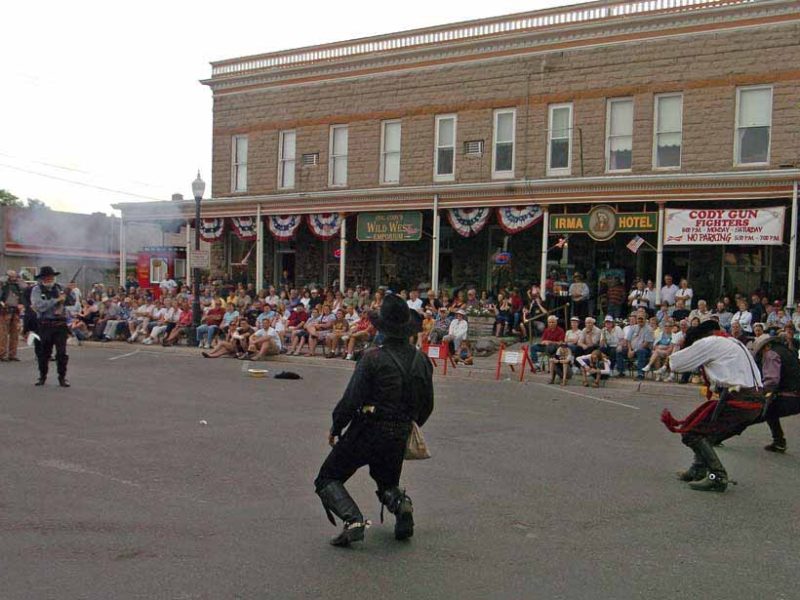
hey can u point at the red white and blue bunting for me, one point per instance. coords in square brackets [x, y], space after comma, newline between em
[244, 228]
[324, 225]
[283, 227]
[211, 229]
[468, 221]
[514, 219]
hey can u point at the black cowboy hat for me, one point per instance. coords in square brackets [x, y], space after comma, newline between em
[47, 272]
[705, 329]
[396, 319]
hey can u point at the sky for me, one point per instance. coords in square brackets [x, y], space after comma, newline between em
[101, 101]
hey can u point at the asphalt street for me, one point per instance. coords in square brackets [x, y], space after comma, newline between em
[117, 488]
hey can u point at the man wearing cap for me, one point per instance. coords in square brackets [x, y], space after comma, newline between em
[727, 365]
[48, 299]
[390, 388]
[11, 292]
[457, 332]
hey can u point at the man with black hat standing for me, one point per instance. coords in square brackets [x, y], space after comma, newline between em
[391, 387]
[727, 364]
[48, 299]
[11, 292]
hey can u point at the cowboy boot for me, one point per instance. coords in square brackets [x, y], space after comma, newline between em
[716, 480]
[778, 440]
[399, 504]
[337, 501]
[696, 472]
[61, 366]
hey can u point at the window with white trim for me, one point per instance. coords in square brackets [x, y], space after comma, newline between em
[667, 131]
[286, 159]
[619, 134]
[390, 152]
[337, 152]
[239, 163]
[753, 125]
[559, 135]
[503, 147]
[444, 158]
[180, 268]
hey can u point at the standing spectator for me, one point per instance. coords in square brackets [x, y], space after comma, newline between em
[502, 316]
[686, 293]
[616, 296]
[10, 305]
[579, 293]
[668, 291]
[639, 347]
[757, 309]
[640, 296]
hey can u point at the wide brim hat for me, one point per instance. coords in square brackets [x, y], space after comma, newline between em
[760, 342]
[395, 319]
[705, 329]
[47, 272]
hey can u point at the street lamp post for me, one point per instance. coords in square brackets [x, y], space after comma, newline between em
[198, 187]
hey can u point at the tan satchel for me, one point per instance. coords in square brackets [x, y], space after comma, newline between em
[416, 448]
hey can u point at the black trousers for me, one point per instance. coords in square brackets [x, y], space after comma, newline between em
[782, 406]
[379, 444]
[53, 335]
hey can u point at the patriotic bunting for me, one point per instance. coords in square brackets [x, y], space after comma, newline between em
[211, 229]
[324, 225]
[514, 219]
[468, 221]
[283, 227]
[244, 228]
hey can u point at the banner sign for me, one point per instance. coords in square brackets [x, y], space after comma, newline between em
[747, 226]
[468, 221]
[403, 226]
[603, 222]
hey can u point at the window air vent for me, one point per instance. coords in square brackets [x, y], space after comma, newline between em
[310, 160]
[473, 148]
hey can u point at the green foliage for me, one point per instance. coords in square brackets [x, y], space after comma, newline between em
[9, 199]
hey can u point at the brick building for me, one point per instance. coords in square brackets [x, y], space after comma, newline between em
[657, 110]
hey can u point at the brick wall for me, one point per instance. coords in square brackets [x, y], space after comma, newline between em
[706, 68]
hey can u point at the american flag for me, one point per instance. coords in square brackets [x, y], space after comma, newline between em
[561, 242]
[635, 244]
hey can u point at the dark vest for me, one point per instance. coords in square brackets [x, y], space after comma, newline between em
[790, 369]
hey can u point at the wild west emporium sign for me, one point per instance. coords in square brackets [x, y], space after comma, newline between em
[748, 226]
[403, 226]
[603, 222]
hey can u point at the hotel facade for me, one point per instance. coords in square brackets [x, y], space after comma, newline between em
[633, 138]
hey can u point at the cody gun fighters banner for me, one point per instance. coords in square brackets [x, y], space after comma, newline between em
[746, 226]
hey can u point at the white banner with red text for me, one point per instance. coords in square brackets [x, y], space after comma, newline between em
[745, 226]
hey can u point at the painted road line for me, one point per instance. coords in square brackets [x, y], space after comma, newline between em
[124, 355]
[561, 389]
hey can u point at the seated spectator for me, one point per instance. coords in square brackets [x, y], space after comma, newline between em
[210, 324]
[441, 326]
[361, 331]
[744, 317]
[589, 340]
[227, 346]
[701, 312]
[167, 317]
[464, 353]
[663, 313]
[427, 327]
[182, 326]
[662, 348]
[502, 316]
[139, 320]
[758, 329]
[737, 332]
[595, 366]
[266, 341]
[339, 329]
[472, 299]
[319, 331]
[639, 347]
[299, 335]
[610, 338]
[790, 337]
[680, 312]
[561, 365]
[552, 337]
[350, 315]
[724, 315]
[414, 301]
[457, 332]
[573, 335]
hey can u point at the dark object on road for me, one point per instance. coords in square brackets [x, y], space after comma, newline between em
[287, 375]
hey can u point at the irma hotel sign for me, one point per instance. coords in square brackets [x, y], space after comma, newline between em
[603, 222]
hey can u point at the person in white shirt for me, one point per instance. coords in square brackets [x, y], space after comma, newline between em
[595, 365]
[414, 301]
[668, 291]
[727, 364]
[685, 292]
[164, 317]
[743, 317]
[167, 285]
[701, 312]
[640, 296]
[458, 330]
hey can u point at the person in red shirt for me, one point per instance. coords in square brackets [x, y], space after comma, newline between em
[360, 331]
[210, 325]
[516, 310]
[552, 336]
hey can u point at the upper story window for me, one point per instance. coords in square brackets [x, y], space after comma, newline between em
[286, 159]
[239, 163]
[667, 131]
[337, 164]
[390, 152]
[559, 136]
[753, 125]
[503, 147]
[444, 158]
[619, 134]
